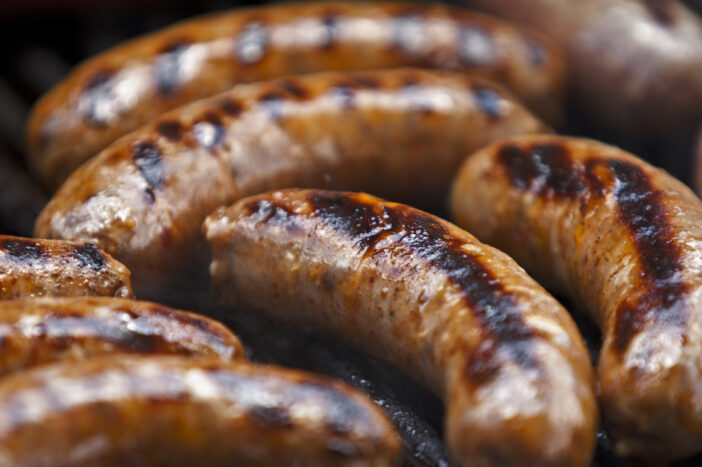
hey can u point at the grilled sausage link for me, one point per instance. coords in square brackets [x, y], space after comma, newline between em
[408, 287]
[126, 87]
[623, 239]
[43, 330]
[398, 133]
[635, 65]
[35, 268]
[121, 410]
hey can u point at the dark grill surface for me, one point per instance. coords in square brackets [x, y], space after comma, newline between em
[42, 40]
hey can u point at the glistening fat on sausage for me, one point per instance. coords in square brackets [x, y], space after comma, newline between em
[396, 133]
[413, 289]
[126, 87]
[624, 241]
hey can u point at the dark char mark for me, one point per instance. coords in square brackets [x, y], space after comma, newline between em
[273, 102]
[147, 158]
[496, 309]
[660, 10]
[295, 89]
[95, 101]
[22, 250]
[641, 208]
[170, 129]
[167, 68]
[546, 169]
[270, 417]
[231, 107]
[89, 256]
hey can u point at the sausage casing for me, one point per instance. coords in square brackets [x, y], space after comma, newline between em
[44, 330]
[624, 241]
[176, 411]
[635, 65]
[417, 291]
[35, 268]
[397, 133]
[126, 87]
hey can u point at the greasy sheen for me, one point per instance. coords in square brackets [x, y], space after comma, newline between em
[126, 87]
[624, 241]
[118, 410]
[635, 64]
[397, 133]
[36, 268]
[413, 289]
[43, 330]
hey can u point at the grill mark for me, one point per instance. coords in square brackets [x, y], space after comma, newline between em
[97, 99]
[24, 251]
[660, 10]
[496, 309]
[231, 107]
[170, 129]
[147, 158]
[488, 100]
[168, 69]
[273, 102]
[89, 255]
[270, 417]
[367, 81]
[252, 43]
[546, 169]
[295, 89]
[641, 208]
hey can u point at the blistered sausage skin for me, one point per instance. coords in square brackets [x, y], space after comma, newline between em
[121, 410]
[413, 289]
[37, 268]
[623, 240]
[397, 133]
[43, 330]
[635, 65]
[125, 88]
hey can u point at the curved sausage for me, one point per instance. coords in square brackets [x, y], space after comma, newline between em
[126, 87]
[635, 64]
[398, 133]
[171, 410]
[44, 330]
[622, 239]
[413, 289]
[36, 268]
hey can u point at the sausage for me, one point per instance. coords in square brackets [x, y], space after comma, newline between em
[398, 133]
[120, 410]
[621, 239]
[124, 88]
[36, 268]
[635, 65]
[410, 288]
[44, 330]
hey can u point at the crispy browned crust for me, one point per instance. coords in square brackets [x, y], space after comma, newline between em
[121, 410]
[417, 291]
[43, 330]
[624, 240]
[37, 268]
[635, 65]
[396, 133]
[124, 88]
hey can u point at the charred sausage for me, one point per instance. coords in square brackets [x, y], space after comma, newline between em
[121, 410]
[45, 330]
[127, 87]
[622, 239]
[36, 268]
[635, 65]
[398, 133]
[419, 292]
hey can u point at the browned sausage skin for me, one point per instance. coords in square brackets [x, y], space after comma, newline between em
[635, 65]
[398, 133]
[44, 330]
[126, 87]
[624, 240]
[171, 410]
[410, 288]
[36, 268]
